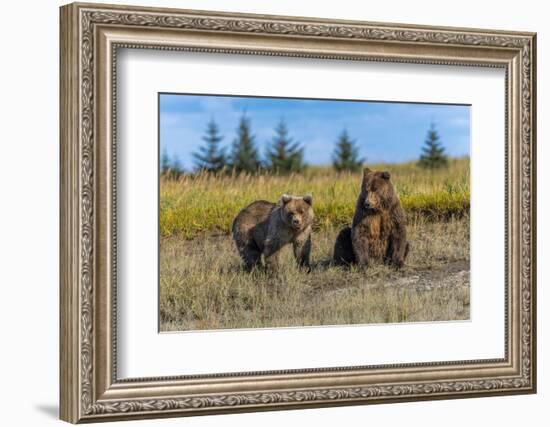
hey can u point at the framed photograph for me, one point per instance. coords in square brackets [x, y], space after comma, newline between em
[266, 212]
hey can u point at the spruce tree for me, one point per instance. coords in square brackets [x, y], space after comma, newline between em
[165, 161]
[433, 154]
[284, 155]
[211, 157]
[346, 154]
[170, 167]
[244, 156]
[175, 168]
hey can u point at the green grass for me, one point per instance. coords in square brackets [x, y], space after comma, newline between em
[196, 204]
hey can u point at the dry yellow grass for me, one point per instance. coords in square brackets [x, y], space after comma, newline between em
[203, 285]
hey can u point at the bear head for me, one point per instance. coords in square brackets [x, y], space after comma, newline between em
[297, 211]
[377, 191]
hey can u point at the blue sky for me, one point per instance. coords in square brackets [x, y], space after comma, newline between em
[384, 132]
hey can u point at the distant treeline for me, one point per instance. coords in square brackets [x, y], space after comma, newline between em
[283, 155]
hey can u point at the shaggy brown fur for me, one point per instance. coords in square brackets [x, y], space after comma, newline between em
[264, 228]
[378, 231]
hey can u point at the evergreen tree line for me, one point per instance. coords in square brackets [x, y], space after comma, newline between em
[283, 154]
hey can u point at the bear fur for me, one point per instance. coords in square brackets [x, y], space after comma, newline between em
[264, 228]
[379, 229]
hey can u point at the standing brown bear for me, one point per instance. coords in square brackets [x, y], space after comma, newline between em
[264, 228]
[378, 231]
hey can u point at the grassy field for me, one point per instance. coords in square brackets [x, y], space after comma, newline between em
[194, 205]
[203, 285]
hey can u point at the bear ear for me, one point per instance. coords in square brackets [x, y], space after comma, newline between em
[366, 171]
[285, 198]
[385, 175]
[308, 198]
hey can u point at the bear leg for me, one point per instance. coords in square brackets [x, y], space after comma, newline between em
[343, 249]
[360, 245]
[251, 257]
[398, 251]
[302, 250]
[272, 262]
[271, 253]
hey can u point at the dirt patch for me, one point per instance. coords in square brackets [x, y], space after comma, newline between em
[450, 275]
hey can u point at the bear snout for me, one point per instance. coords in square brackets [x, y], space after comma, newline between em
[369, 206]
[295, 222]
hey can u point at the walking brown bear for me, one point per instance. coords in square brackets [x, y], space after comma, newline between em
[378, 232]
[264, 228]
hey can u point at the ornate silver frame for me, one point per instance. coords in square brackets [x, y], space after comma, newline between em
[90, 36]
